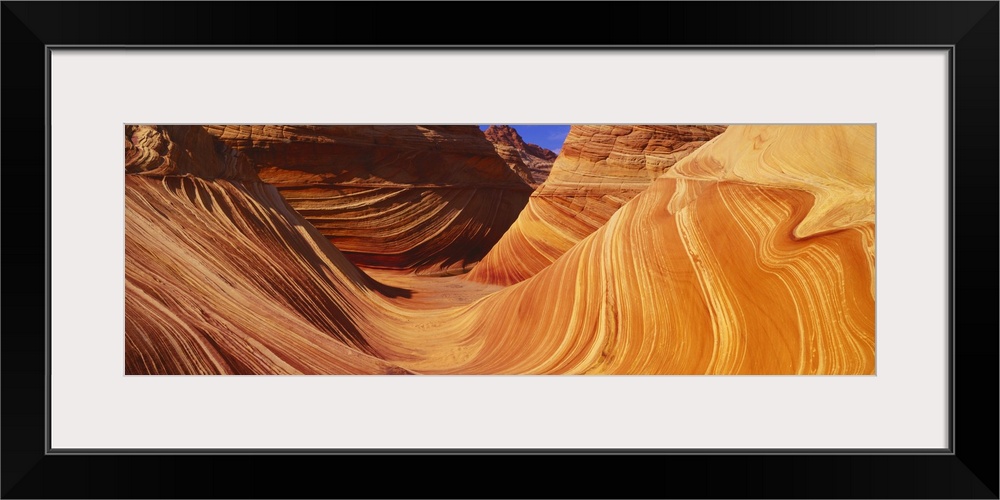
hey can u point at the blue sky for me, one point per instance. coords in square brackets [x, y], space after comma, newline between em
[546, 136]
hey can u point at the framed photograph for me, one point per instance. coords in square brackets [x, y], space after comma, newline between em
[708, 248]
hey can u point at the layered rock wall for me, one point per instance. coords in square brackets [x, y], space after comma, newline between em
[430, 199]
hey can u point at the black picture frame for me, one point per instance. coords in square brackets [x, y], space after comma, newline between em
[968, 470]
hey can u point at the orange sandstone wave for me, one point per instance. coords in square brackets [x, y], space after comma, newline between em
[222, 276]
[753, 255]
[599, 169]
[234, 284]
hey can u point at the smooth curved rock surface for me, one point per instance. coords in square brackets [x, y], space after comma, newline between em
[599, 169]
[753, 255]
[234, 284]
[431, 199]
[223, 277]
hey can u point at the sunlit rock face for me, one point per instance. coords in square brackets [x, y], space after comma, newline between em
[432, 199]
[753, 254]
[530, 161]
[599, 169]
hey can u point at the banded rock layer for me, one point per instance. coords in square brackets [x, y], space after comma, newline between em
[182, 150]
[599, 169]
[431, 199]
[753, 255]
[223, 277]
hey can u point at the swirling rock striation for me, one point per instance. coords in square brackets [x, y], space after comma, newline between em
[178, 150]
[599, 169]
[432, 199]
[752, 255]
[223, 277]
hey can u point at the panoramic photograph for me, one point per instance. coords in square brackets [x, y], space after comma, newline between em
[499, 249]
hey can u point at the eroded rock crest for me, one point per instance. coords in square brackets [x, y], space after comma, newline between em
[530, 161]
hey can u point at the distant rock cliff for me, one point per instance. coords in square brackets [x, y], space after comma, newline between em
[532, 162]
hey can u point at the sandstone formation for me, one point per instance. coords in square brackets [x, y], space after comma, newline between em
[222, 276]
[530, 161]
[181, 150]
[599, 169]
[431, 199]
[752, 255]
